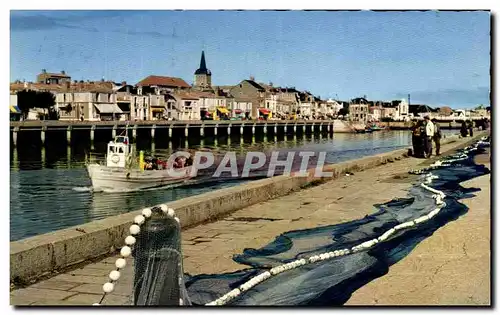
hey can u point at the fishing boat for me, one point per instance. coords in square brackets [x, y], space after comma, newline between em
[122, 171]
[374, 127]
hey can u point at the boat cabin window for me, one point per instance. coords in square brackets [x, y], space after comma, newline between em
[120, 150]
[121, 139]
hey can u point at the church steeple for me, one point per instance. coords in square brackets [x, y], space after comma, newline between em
[203, 65]
[202, 76]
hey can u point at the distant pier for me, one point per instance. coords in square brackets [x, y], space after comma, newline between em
[174, 129]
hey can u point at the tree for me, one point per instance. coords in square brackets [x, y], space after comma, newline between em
[343, 112]
[28, 99]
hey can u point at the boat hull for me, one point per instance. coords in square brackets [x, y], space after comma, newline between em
[119, 179]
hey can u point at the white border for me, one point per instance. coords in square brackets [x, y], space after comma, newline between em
[214, 4]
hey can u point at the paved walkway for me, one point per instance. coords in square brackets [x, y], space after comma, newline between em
[209, 248]
[452, 267]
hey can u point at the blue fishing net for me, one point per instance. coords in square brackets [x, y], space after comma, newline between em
[331, 282]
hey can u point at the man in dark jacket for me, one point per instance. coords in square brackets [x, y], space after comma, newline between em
[470, 125]
[437, 136]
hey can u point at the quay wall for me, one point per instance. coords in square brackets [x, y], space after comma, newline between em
[44, 255]
[404, 125]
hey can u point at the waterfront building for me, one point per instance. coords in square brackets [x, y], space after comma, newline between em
[333, 107]
[401, 112]
[271, 99]
[162, 84]
[420, 110]
[306, 103]
[15, 112]
[53, 78]
[388, 112]
[249, 90]
[358, 109]
[91, 101]
[187, 106]
[213, 103]
[375, 113]
[287, 101]
[318, 109]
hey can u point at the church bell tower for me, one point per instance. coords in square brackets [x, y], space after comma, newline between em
[203, 76]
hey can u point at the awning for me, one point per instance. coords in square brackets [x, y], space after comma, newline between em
[264, 111]
[223, 110]
[108, 108]
[238, 111]
[15, 109]
[157, 110]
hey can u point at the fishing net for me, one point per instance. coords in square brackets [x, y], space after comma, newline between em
[341, 265]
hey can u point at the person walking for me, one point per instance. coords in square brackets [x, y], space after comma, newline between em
[429, 134]
[437, 136]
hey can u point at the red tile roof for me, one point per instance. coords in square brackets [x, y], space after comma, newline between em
[163, 81]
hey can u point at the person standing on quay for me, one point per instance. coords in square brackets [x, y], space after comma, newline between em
[429, 134]
[471, 126]
[463, 129]
[417, 139]
[437, 136]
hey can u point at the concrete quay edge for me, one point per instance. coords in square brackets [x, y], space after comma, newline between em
[43, 255]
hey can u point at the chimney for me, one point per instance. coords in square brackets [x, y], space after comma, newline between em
[63, 72]
[252, 78]
[124, 83]
[271, 84]
[44, 70]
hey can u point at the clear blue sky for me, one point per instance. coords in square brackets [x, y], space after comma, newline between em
[441, 58]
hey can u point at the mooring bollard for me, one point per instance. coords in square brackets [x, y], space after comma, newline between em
[14, 136]
[265, 128]
[153, 129]
[186, 131]
[68, 135]
[215, 129]
[202, 130]
[92, 131]
[170, 131]
[241, 129]
[134, 132]
[42, 135]
[229, 130]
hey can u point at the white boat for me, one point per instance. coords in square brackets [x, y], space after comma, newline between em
[123, 173]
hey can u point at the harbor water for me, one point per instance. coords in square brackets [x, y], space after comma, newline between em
[50, 189]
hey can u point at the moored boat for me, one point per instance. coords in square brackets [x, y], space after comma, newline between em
[123, 173]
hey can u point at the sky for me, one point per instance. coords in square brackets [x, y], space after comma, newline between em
[439, 58]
